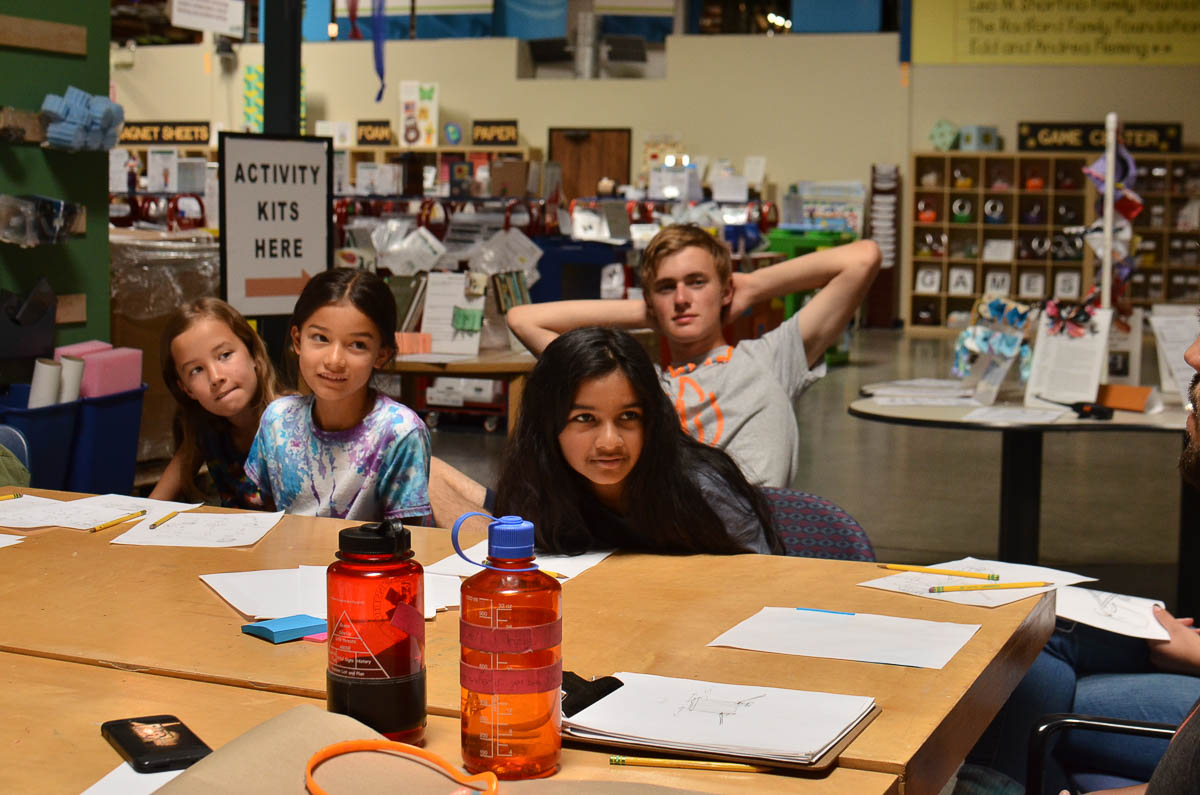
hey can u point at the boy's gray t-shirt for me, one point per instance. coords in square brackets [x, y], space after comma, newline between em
[739, 399]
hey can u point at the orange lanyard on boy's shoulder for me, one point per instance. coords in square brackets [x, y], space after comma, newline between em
[486, 782]
[721, 358]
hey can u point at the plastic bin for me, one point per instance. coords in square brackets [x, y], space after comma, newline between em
[798, 243]
[49, 430]
[104, 452]
[570, 269]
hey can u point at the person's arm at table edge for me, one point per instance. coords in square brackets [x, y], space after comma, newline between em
[843, 274]
[537, 325]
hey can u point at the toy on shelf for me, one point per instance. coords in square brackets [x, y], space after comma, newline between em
[943, 136]
[79, 120]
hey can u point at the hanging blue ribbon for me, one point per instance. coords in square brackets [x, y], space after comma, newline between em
[379, 34]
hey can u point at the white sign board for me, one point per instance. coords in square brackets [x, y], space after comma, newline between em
[226, 17]
[275, 218]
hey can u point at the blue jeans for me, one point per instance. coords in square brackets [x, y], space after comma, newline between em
[1089, 671]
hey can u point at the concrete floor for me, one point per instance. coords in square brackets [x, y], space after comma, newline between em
[1110, 501]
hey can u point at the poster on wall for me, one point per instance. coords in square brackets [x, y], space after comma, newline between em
[1055, 33]
[276, 222]
[418, 113]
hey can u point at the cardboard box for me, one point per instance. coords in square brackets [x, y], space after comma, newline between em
[510, 178]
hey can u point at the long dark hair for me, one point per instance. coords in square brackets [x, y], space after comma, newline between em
[365, 290]
[667, 511]
[191, 420]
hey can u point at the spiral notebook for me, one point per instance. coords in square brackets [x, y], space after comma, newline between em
[793, 728]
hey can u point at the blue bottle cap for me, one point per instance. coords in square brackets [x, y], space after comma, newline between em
[510, 538]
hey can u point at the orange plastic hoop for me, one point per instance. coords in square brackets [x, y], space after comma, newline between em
[487, 782]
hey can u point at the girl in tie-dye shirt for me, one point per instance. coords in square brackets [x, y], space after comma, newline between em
[343, 451]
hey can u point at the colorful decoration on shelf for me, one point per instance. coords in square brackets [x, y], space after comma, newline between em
[944, 135]
[999, 332]
[994, 211]
[1125, 201]
[453, 133]
[78, 120]
[1074, 319]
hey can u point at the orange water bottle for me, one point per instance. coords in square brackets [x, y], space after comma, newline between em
[510, 628]
[376, 645]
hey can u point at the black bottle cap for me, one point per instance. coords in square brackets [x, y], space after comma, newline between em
[388, 537]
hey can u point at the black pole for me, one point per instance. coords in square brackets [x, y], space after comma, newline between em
[281, 66]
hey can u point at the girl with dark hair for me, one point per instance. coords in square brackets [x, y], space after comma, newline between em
[598, 460]
[344, 451]
[217, 369]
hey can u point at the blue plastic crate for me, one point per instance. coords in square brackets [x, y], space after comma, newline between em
[104, 453]
[49, 431]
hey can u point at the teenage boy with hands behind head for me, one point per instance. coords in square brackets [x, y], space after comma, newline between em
[738, 398]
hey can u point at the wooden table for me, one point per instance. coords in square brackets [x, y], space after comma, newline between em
[509, 366]
[1021, 473]
[85, 600]
[53, 710]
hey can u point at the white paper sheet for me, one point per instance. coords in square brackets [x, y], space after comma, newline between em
[1014, 415]
[927, 401]
[88, 512]
[203, 530]
[442, 591]
[567, 565]
[1065, 368]
[1124, 615]
[443, 292]
[23, 503]
[274, 593]
[918, 583]
[763, 722]
[7, 540]
[268, 593]
[1173, 334]
[311, 596]
[861, 637]
[124, 780]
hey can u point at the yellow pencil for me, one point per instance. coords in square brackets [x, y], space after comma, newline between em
[690, 764]
[554, 574]
[116, 522]
[994, 586]
[13, 496]
[164, 520]
[979, 575]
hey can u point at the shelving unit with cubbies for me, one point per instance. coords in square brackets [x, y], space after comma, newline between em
[960, 201]
[990, 222]
[1169, 227]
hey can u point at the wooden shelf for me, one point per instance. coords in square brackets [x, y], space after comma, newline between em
[985, 168]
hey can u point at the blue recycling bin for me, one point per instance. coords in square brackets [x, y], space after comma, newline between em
[49, 430]
[105, 445]
[570, 269]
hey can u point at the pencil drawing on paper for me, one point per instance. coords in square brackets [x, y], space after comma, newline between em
[1117, 608]
[703, 702]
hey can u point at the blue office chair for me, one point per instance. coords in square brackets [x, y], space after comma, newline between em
[813, 527]
[15, 441]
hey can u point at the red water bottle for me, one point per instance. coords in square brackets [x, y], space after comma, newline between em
[510, 628]
[376, 622]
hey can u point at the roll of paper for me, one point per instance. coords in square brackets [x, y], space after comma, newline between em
[72, 375]
[47, 374]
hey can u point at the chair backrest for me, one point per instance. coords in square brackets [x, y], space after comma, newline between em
[15, 441]
[813, 527]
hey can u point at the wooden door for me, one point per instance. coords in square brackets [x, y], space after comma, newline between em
[587, 155]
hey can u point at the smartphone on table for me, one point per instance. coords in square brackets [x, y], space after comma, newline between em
[154, 743]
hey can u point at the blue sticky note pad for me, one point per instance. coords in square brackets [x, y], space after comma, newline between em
[281, 630]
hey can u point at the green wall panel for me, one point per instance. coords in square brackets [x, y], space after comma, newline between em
[80, 265]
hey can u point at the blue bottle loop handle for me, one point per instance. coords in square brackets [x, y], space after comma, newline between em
[458, 548]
